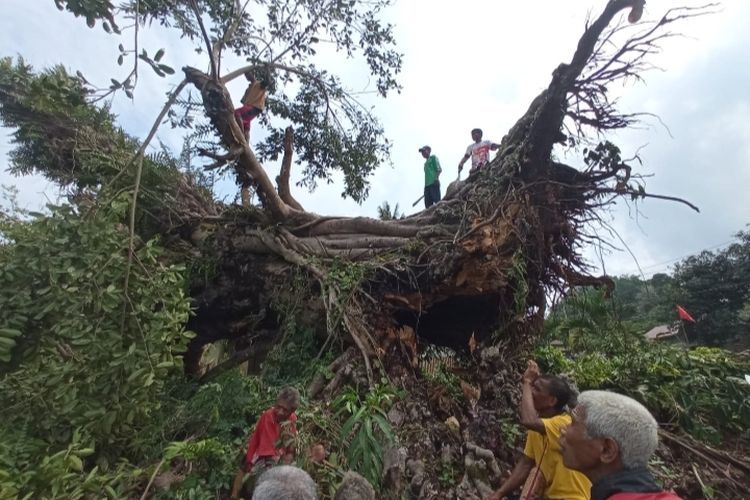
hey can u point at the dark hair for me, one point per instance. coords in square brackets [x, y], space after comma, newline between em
[477, 130]
[560, 389]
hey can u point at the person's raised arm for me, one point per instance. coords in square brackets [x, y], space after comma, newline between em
[494, 147]
[517, 477]
[529, 417]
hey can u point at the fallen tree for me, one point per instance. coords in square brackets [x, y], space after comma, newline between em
[475, 269]
[481, 262]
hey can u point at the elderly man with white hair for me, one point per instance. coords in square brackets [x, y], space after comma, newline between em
[611, 439]
[354, 487]
[285, 482]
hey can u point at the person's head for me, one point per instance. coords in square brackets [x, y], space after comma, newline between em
[425, 150]
[476, 134]
[608, 432]
[285, 482]
[286, 403]
[551, 394]
[354, 487]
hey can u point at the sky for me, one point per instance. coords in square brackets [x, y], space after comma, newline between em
[479, 63]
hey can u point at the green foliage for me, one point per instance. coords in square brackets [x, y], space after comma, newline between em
[201, 269]
[581, 318]
[222, 409]
[81, 375]
[346, 275]
[92, 10]
[713, 286]
[604, 156]
[294, 358]
[57, 133]
[204, 429]
[701, 389]
[448, 474]
[442, 376]
[207, 449]
[318, 426]
[53, 104]
[366, 431]
[323, 145]
[212, 464]
[511, 431]
[30, 468]
[292, 362]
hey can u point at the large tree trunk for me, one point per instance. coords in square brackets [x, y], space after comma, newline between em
[481, 262]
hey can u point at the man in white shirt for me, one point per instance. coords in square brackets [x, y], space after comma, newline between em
[478, 151]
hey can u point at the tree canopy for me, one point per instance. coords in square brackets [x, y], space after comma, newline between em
[279, 40]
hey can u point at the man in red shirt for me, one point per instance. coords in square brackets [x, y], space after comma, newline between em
[272, 440]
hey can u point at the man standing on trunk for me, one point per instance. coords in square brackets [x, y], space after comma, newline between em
[431, 177]
[478, 151]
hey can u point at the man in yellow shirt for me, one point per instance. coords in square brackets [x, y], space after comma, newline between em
[542, 411]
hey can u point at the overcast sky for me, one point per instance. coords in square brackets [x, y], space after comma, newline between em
[479, 64]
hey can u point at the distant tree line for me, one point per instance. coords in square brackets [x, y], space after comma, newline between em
[713, 286]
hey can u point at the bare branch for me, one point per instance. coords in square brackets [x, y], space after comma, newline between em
[640, 194]
[589, 104]
[219, 159]
[211, 56]
[282, 180]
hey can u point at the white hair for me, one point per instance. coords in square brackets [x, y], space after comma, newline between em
[628, 422]
[285, 483]
[354, 487]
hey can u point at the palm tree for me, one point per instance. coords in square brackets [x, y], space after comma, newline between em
[385, 213]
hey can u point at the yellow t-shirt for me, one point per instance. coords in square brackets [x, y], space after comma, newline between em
[562, 483]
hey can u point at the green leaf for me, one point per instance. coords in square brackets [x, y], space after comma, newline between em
[75, 463]
[10, 332]
[384, 426]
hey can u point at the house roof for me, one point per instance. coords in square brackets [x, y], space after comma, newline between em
[660, 332]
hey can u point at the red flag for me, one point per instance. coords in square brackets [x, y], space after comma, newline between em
[683, 314]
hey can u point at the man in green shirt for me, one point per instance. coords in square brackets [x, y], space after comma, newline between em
[431, 175]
